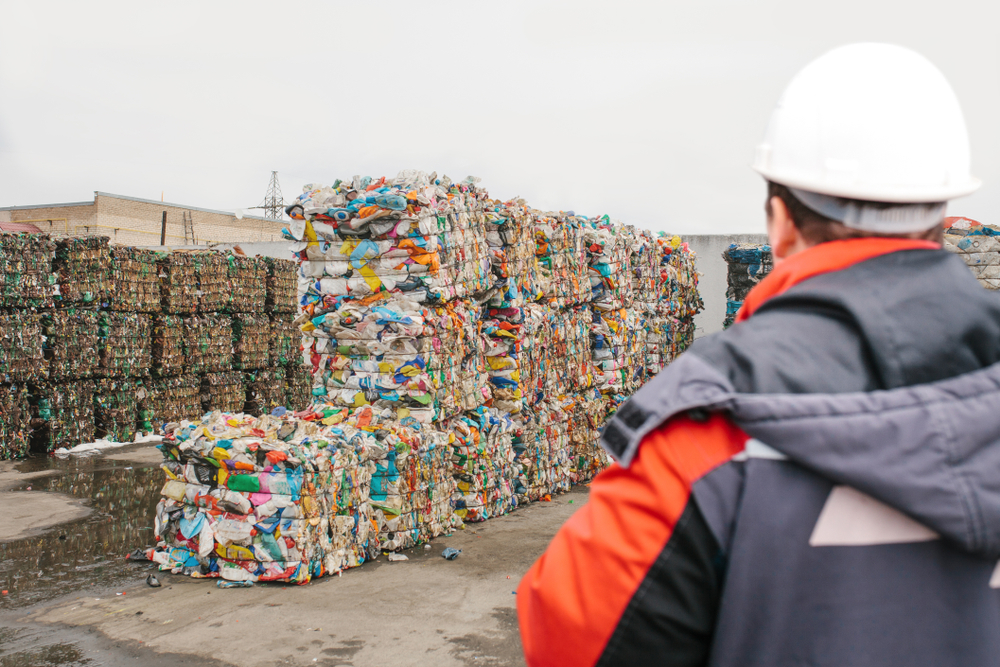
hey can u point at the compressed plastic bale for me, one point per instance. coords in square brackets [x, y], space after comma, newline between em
[248, 284]
[15, 422]
[72, 343]
[62, 415]
[135, 281]
[178, 283]
[116, 408]
[302, 488]
[208, 343]
[747, 264]
[298, 387]
[22, 355]
[223, 391]
[125, 344]
[214, 288]
[483, 464]
[26, 276]
[284, 342]
[83, 269]
[251, 341]
[281, 282]
[172, 399]
[167, 355]
[265, 390]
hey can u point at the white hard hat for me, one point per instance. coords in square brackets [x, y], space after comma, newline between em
[875, 122]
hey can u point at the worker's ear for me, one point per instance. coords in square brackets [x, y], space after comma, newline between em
[785, 237]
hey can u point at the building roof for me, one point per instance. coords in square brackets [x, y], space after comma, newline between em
[18, 227]
[138, 199]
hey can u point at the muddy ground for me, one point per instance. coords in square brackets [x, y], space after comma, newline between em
[71, 598]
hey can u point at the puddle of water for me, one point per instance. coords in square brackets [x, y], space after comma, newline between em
[89, 552]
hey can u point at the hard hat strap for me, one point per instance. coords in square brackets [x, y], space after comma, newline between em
[901, 219]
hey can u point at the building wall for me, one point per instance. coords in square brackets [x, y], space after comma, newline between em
[712, 281]
[137, 222]
[56, 219]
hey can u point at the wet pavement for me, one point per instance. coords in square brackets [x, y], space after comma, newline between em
[88, 552]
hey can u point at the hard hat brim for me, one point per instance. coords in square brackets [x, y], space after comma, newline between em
[921, 195]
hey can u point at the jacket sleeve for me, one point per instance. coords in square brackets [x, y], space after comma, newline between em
[634, 576]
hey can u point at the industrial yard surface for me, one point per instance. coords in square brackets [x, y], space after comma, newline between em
[423, 611]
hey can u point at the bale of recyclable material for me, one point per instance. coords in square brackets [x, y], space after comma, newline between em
[62, 415]
[172, 399]
[72, 343]
[248, 284]
[298, 387]
[116, 408]
[22, 355]
[265, 390]
[83, 269]
[135, 281]
[15, 422]
[125, 344]
[307, 496]
[282, 285]
[167, 356]
[747, 264]
[223, 391]
[285, 340]
[977, 245]
[26, 277]
[178, 275]
[208, 343]
[251, 341]
[214, 288]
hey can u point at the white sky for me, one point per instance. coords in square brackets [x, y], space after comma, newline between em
[648, 111]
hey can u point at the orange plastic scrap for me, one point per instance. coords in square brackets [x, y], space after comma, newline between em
[421, 255]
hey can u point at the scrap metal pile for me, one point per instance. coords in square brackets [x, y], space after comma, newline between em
[464, 353]
[102, 341]
[747, 264]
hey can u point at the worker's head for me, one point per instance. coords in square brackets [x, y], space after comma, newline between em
[867, 140]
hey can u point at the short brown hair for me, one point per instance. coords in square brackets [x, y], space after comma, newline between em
[816, 228]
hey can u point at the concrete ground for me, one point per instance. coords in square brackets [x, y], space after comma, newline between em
[424, 611]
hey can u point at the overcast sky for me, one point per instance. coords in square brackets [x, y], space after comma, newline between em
[647, 111]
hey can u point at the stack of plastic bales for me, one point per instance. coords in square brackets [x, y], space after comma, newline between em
[21, 362]
[267, 499]
[978, 245]
[385, 310]
[671, 314]
[747, 265]
[135, 281]
[83, 268]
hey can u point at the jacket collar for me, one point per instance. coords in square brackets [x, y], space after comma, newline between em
[823, 258]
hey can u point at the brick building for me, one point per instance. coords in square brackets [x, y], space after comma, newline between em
[134, 221]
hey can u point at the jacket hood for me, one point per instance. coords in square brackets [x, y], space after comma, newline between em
[931, 451]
